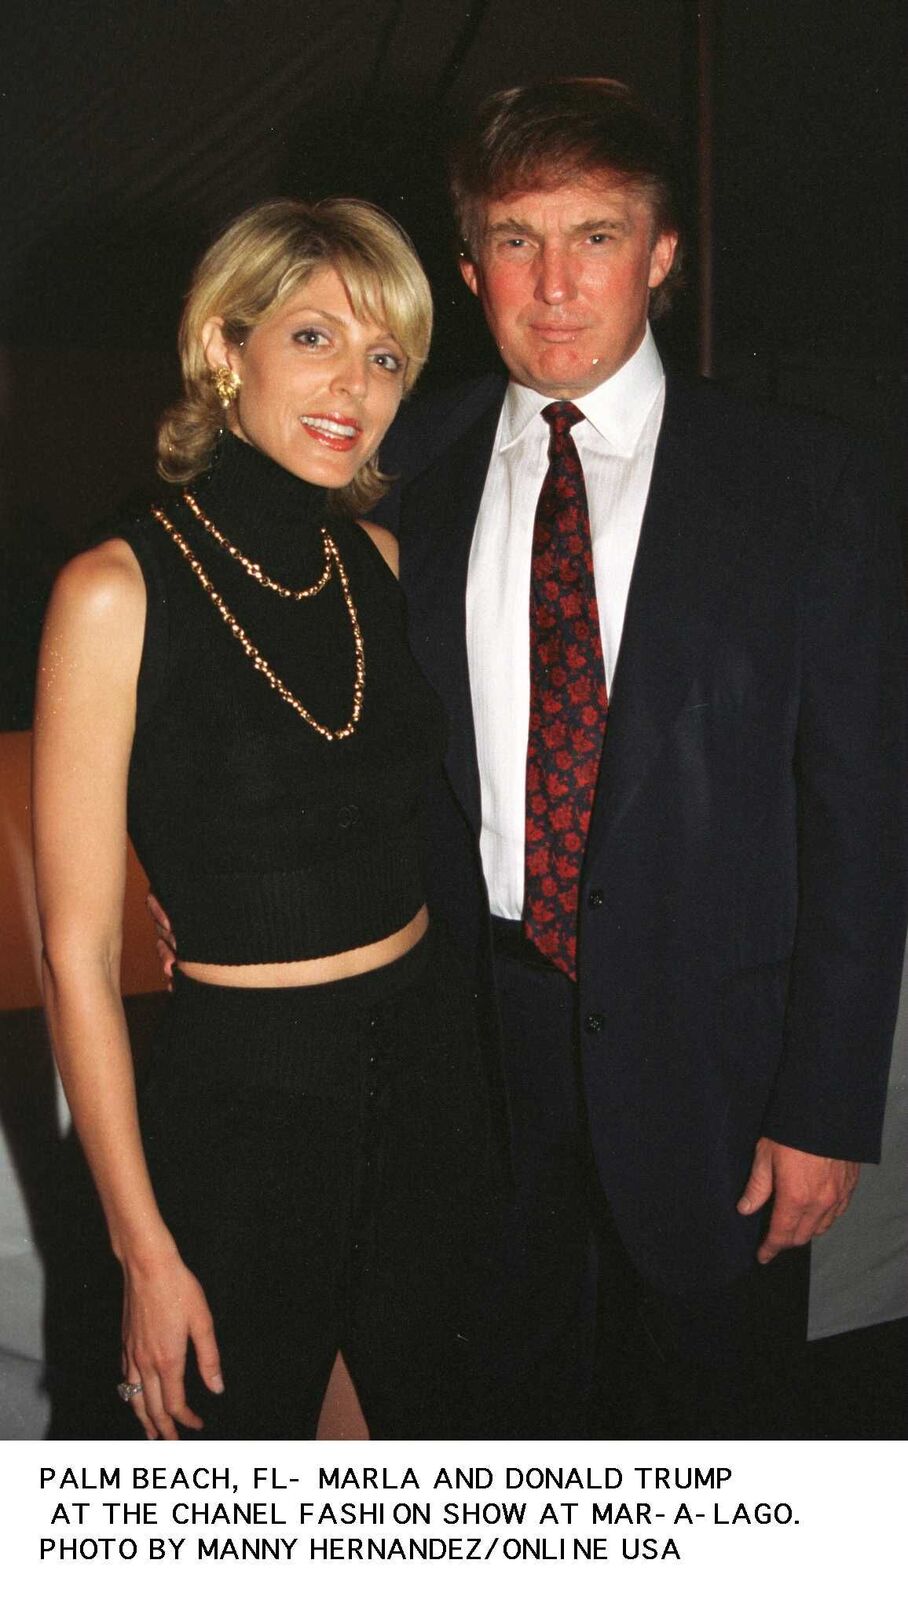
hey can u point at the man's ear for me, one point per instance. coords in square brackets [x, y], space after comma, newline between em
[215, 347]
[469, 274]
[660, 261]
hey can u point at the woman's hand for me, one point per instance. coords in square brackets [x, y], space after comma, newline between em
[164, 1306]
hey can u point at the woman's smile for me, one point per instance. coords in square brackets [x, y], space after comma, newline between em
[337, 433]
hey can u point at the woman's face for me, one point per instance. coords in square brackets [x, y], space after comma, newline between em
[319, 388]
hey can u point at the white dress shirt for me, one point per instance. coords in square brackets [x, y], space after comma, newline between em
[616, 442]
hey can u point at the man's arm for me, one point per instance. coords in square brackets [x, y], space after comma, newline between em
[165, 943]
[826, 1111]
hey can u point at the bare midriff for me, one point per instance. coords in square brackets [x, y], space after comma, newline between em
[322, 969]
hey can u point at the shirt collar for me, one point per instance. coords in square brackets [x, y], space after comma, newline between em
[617, 409]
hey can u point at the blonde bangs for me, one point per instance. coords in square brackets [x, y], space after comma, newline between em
[256, 263]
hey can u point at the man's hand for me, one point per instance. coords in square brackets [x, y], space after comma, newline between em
[810, 1193]
[166, 944]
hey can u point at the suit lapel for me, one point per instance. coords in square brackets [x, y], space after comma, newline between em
[689, 542]
[689, 539]
[438, 516]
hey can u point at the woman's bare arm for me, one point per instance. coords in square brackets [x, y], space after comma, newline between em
[84, 724]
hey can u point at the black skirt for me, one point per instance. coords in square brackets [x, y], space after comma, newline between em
[324, 1159]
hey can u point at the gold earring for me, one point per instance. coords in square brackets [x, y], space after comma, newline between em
[227, 385]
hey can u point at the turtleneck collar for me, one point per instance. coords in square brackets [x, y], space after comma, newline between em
[264, 509]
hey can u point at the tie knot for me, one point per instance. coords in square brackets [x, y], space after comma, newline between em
[562, 416]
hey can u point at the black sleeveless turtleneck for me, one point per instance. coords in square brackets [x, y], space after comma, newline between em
[264, 840]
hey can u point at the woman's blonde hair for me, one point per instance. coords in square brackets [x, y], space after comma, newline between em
[260, 259]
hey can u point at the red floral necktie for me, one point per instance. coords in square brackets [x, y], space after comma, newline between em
[568, 699]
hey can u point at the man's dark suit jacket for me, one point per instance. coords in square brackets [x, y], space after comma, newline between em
[742, 905]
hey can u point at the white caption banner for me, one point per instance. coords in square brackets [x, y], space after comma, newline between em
[485, 1518]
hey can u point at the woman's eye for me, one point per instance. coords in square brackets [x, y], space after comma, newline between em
[388, 361]
[311, 338]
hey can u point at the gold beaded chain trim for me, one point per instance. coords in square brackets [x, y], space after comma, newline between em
[255, 656]
[252, 567]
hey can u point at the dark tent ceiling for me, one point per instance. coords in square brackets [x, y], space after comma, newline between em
[131, 128]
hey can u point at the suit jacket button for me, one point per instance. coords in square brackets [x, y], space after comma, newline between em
[595, 898]
[594, 1022]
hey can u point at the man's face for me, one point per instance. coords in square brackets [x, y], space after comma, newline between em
[564, 277]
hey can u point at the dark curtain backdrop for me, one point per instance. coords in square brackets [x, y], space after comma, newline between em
[129, 132]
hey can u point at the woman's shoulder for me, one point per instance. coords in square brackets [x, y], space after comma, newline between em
[134, 552]
[93, 633]
[103, 584]
[107, 606]
[384, 542]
